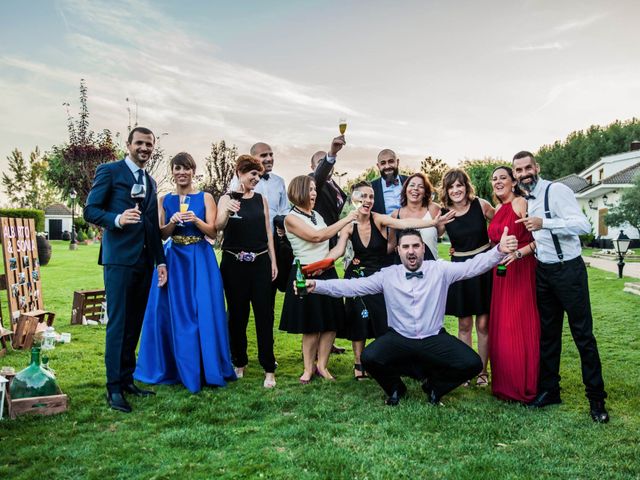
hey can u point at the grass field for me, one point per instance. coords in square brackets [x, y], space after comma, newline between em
[326, 429]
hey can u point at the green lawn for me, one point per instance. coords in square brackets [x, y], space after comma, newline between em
[326, 429]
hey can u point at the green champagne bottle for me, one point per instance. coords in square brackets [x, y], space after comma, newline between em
[301, 282]
[501, 270]
[34, 381]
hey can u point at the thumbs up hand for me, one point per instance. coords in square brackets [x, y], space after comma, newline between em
[508, 243]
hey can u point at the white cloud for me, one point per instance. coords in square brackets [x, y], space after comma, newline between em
[579, 23]
[537, 48]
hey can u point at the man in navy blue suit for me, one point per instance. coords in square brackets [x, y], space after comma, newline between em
[131, 245]
[388, 187]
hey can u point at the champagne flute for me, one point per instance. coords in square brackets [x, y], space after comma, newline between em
[342, 125]
[138, 192]
[185, 200]
[357, 199]
[236, 195]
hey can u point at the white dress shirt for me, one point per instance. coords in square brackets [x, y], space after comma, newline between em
[274, 190]
[415, 306]
[391, 195]
[567, 222]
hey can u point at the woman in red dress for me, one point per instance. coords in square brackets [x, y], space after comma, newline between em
[514, 325]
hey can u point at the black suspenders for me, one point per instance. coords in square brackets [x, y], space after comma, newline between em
[547, 214]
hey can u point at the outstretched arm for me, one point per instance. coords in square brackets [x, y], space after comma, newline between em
[353, 287]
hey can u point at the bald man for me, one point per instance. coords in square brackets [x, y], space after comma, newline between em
[388, 187]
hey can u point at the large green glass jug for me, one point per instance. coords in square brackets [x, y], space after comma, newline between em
[34, 381]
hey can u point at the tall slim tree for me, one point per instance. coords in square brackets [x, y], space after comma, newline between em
[26, 183]
[219, 169]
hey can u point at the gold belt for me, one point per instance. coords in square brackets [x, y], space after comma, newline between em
[186, 239]
[472, 252]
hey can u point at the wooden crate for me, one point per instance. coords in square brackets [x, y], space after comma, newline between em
[28, 325]
[88, 304]
[35, 405]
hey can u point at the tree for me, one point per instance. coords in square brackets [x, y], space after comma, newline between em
[219, 169]
[584, 148]
[628, 210]
[158, 167]
[26, 185]
[479, 172]
[72, 166]
[434, 169]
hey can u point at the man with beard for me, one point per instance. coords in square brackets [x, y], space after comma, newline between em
[415, 294]
[130, 247]
[388, 187]
[555, 220]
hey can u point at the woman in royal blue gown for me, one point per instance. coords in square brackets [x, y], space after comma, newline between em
[184, 334]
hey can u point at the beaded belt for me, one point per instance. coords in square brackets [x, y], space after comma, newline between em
[186, 239]
[472, 252]
[245, 256]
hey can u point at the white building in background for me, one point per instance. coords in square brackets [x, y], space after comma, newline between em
[600, 186]
[57, 219]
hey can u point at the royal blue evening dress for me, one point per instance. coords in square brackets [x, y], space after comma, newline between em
[184, 334]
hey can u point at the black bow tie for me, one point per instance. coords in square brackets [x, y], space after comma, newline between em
[265, 176]
[414, 274]
[394, 182]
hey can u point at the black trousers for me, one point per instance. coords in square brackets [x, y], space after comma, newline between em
[127, 289]
[445, 360]
[249, 284]
[564, 288]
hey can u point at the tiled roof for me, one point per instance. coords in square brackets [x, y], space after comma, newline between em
[574, 182]
[57, 209]
[624, 176]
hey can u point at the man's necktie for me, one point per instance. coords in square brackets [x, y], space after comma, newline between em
[394, 182]
[414, 274]
[265, 176]
[140, 173]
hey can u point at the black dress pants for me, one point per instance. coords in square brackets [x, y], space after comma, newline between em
[245, 284]
[127, 289]
[445, 360]
[564, 288]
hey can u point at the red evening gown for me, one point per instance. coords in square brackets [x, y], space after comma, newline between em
[514, 324]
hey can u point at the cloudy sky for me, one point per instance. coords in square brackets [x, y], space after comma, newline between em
[455, 80]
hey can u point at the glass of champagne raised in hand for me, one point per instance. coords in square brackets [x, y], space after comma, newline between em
[357, 199]
[185, 200]
[342, 125]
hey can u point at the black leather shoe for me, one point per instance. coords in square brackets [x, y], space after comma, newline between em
[396, 395]
[432, 398]
[137, 391]
[337, 350]
[117, 401]
[598, 412]
[545, 398]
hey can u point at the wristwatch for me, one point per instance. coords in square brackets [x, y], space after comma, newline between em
[518, 254]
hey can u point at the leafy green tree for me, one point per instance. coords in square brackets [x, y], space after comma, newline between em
[583, 148]
[628, 209]
[73, 165]
[434, 169]
[219, 167]
[26, 183]
[479, 172]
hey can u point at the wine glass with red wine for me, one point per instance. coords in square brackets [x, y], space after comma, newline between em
[236, 195]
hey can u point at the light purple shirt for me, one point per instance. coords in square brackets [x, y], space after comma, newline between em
[415, 306]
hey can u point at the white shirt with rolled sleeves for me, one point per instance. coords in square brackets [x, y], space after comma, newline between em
[415, 306]
[567, 222]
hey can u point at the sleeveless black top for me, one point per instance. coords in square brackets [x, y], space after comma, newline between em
[374, 255]
[249, 233]
[468, 231]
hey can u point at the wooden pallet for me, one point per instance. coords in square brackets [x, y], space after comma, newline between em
[87, 304]
[28, 325]
[36, 405]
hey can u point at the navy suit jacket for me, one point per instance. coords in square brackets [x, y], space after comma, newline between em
[378, 196]
[110, 195]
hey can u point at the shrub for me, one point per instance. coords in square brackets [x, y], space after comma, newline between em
[37, 215]
[80, 236]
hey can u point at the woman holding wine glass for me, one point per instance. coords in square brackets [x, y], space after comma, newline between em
[366, 317]
[248, 267]
[316, 317]
[184, 335]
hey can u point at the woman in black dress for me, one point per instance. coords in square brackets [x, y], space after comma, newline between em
[366, 316]
[468, 236]
[248, 267]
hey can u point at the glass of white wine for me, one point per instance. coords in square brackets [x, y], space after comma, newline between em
[342, 125]
[357, 199]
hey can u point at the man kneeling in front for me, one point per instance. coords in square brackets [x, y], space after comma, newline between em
[415, 294]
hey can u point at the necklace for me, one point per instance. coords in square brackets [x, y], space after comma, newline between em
[311, 217]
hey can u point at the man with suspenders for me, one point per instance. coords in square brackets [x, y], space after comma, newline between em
[556, 221]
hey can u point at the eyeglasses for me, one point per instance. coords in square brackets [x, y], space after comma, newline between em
[266, 154]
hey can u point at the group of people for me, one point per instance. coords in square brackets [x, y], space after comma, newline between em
[394, 291]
